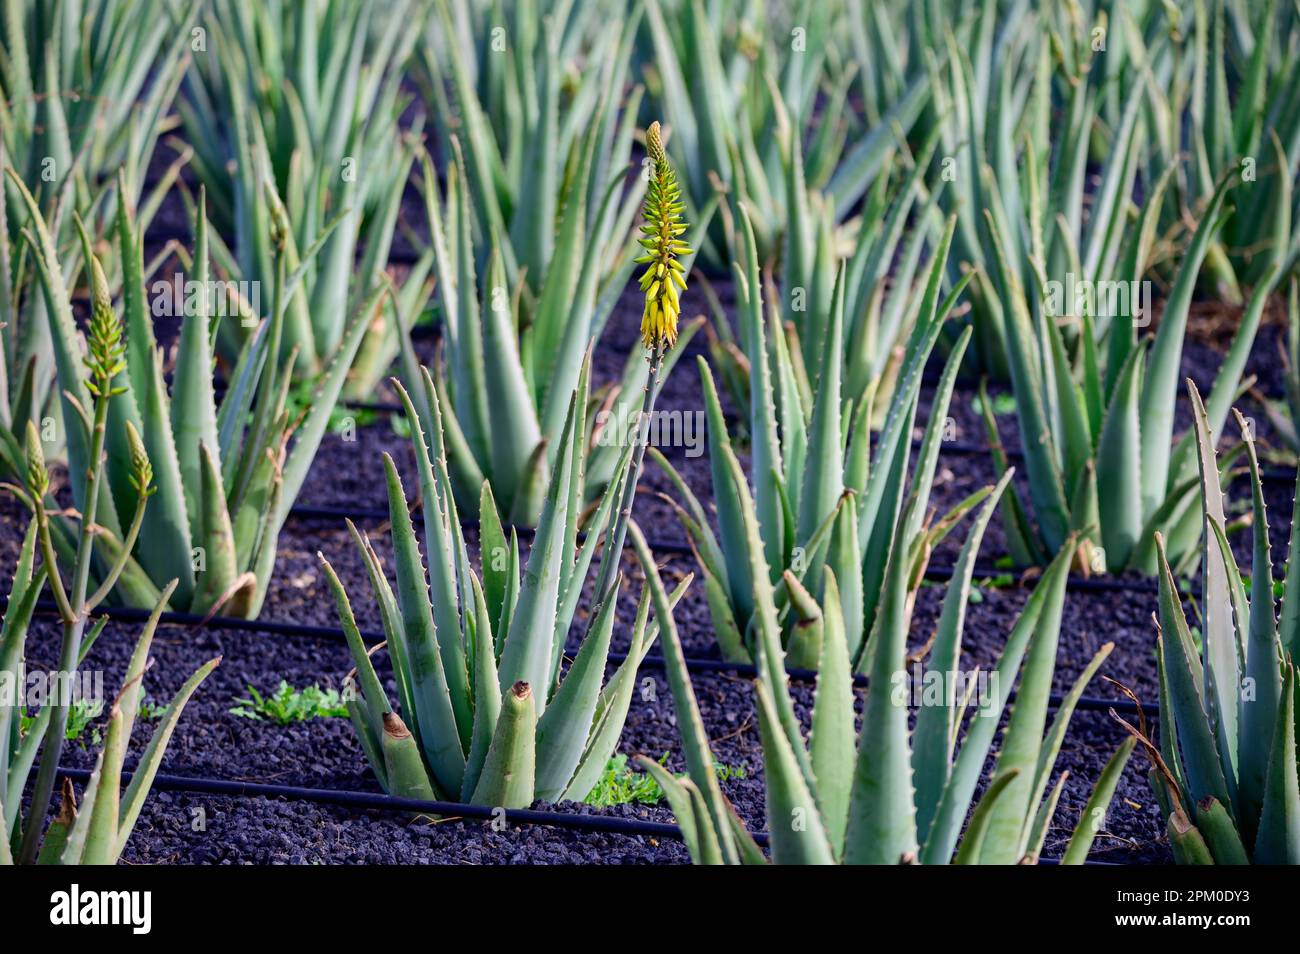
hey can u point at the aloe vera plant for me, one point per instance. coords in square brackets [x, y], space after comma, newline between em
[82, 119]
[825, 498]
[884, 795]
[1224, 770]
[98, 833]
[1250, 126]
[507, 370]
[1094, 425]
[1030, 107]
[293, 109]
[737, 94]
[533, 97]
[485, 715]
[226, 474]
[882, 260]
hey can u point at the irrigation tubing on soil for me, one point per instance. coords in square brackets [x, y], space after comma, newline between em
[375, 801]
[131, 614]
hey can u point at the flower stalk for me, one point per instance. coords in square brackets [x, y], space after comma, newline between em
[663, 281]
[105, 360]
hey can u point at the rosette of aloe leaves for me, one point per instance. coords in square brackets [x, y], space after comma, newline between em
[227, 472]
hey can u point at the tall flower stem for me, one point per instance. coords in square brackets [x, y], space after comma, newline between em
[74, 629]
[605, 583]
[661, 282]
[105, 359]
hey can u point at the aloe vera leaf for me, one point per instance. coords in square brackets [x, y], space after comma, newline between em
[768, 652]
[731, 532]
[527, 653]
[1220, 833]
[765, 450]
[402, 765]
[560, 329]
[1045, 480]
[508, 771]
[686, 801]
[55, 842]
[1188, 846]
[1022, 742]
[1159, 389]
[1093, 815]
[449, 600]
[466, 362]
[1182, 669]
[927, 458]
[980, 830]
[219, 570]
[440, 730]
[1043, 820]
[563, 729]
[515, 432]
[794, 823]
[101, 833]
[1221, 648]
[1075, 436]
[486, 685]
[878, 514]
[1022, 542]
[832, 739]
[1119, 467]
[63, 333]
[614, 702]
[882, 814]
[864, 161]
[395, 634]
[1061, 724]
[823, 475]
[695, 740]
[492, 548]
[1263, 670]
[1278, 841]
[932, 739]
[372, 690]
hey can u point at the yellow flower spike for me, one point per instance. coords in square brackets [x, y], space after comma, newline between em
[662, 211]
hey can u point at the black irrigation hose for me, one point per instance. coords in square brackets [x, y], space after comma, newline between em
[381, 802]
[133, 614]
[603, 824]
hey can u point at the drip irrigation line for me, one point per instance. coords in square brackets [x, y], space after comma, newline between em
[603, 824]
[131, 614]
[381, 802]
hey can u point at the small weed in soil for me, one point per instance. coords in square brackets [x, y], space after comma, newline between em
[620, 785]
[288, 705]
